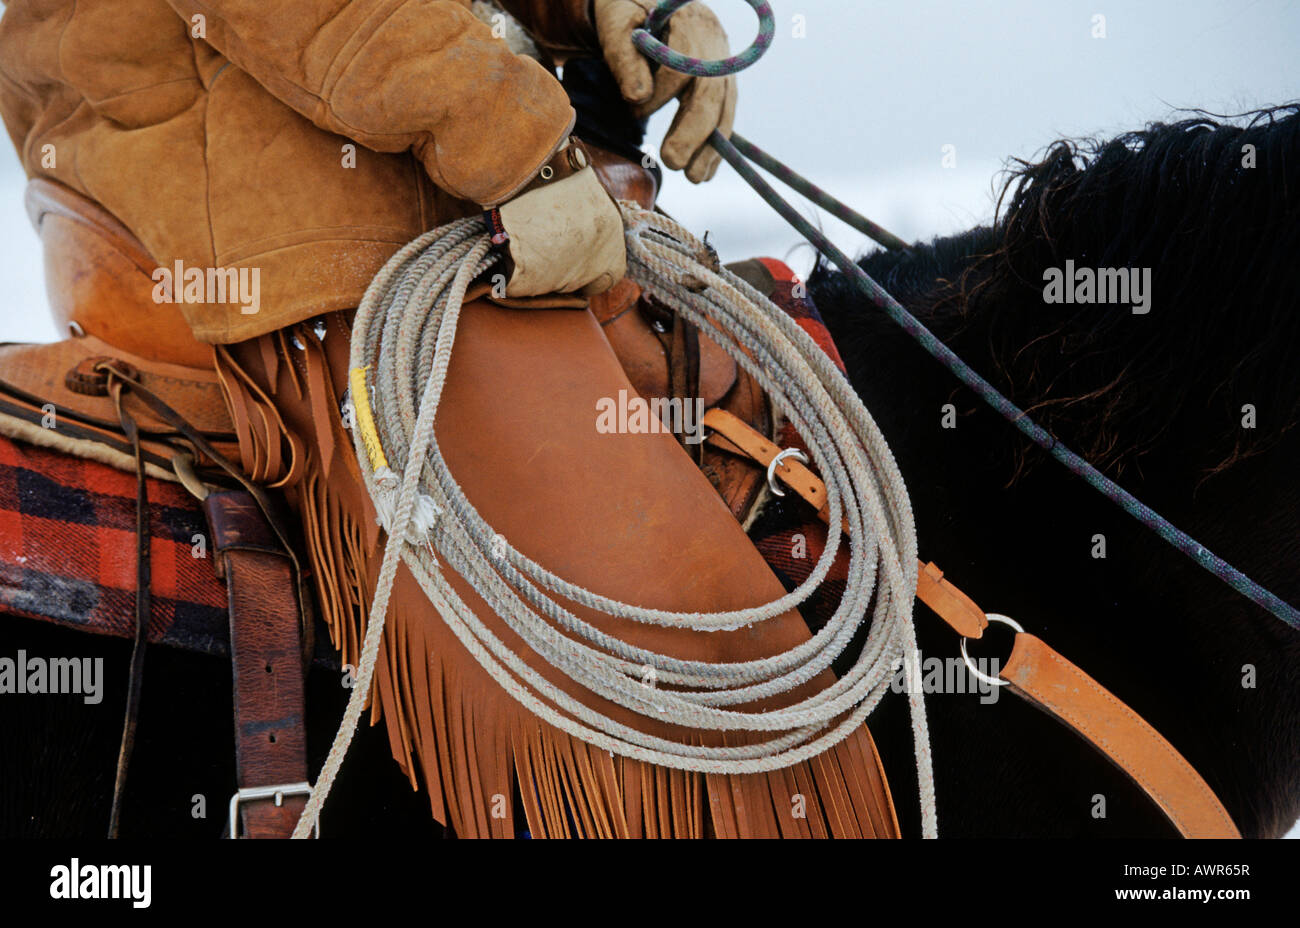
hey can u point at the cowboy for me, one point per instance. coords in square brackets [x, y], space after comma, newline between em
[308, 141]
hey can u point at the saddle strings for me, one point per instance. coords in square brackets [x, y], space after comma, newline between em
[402, 340]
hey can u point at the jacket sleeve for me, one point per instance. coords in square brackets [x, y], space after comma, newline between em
[393, 75]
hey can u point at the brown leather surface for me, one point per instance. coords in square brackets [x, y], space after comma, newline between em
[559, 26]
[32, 376]
[98, 275]
[309, 140]
[627, 515]
[731, 433]
[654, 357]
[43, 369]
[741, 485]
[633, 539]
[609, 306]
[948, 602]
[644, 353]
[566, 162]
[517, 425]
[650, 362]
[684, 374]
[624, 179]
[1053, 684]
[267, 650]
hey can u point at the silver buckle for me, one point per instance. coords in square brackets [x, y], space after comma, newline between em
[255, 793]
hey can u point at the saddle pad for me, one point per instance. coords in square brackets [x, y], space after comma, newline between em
[68, 551]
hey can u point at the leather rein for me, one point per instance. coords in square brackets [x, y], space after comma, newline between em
[1035, 672]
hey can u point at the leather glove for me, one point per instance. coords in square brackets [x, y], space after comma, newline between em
[706, 103]
[563, 232]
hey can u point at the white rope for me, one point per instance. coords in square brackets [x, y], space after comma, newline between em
[403, 336]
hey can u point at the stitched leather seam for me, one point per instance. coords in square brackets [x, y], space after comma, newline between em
[1150, 735]
[144, 88]
[270, 244]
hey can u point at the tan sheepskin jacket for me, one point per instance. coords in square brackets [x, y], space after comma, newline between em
[306, 138]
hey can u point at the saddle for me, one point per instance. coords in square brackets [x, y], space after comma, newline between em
[99, 285]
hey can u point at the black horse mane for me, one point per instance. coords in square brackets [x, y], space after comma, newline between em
[1222, 240]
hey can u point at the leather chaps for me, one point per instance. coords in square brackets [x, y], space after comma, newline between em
[628, 515]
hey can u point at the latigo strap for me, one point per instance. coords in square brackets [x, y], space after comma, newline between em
[266, 644]
[1047, 680]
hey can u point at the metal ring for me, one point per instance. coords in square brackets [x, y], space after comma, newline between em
[776, 462]
[977, 673]
[547, 172]
[644, 39]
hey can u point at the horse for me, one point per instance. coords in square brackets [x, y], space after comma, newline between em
[1191, 404]
[1153, 398]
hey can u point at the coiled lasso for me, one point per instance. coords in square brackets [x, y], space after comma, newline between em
[402, 341]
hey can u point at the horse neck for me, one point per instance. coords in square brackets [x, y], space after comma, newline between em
[1158, 603]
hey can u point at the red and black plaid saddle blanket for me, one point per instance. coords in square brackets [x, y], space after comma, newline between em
[68, 550]
[68, 545]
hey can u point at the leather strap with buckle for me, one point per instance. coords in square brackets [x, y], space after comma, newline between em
[270, 639]
[267, 650]
[566, 162]
[1035, 672]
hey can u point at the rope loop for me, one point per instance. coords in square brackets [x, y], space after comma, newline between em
[402, 340]
[650, 46]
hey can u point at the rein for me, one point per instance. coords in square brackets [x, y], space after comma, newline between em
[737, 149]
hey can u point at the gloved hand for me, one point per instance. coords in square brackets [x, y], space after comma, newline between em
[563, 232]
[707, 103]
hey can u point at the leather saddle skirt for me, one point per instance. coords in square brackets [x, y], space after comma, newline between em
[52, 395]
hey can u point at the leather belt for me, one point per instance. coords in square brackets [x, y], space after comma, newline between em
[267, 648]
[1034, 671]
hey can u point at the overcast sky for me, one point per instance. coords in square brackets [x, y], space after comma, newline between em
[866, 100]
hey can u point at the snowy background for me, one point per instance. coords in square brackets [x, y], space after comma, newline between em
[866, 100]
